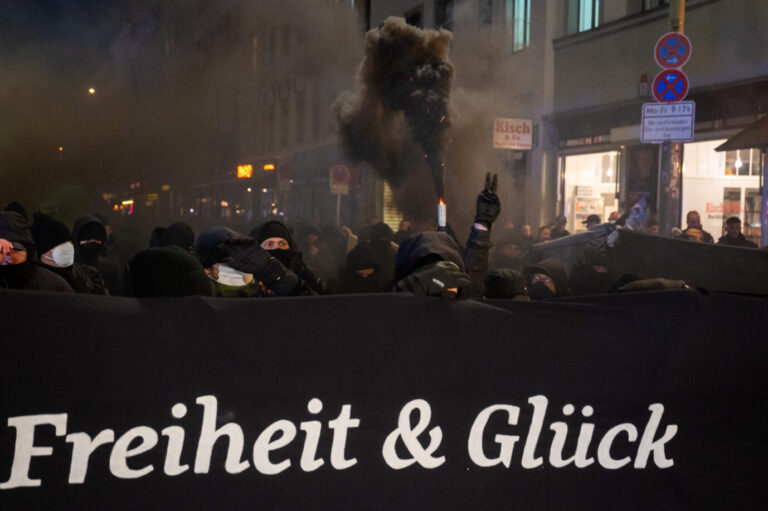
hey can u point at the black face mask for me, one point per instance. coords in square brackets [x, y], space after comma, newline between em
[540, 291]
[89, 250]
[285, 256]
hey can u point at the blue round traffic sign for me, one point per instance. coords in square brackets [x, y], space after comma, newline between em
[672, 50]
[670, 85]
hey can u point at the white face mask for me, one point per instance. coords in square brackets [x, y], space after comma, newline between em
[232, 277]
[63, 255]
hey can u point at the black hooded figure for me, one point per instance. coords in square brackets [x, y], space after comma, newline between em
[363, 272]
[219, 246]
[289, 257]
[546, 279]
[50, 233]
[89, 236]
[27, 274]
[430, 264]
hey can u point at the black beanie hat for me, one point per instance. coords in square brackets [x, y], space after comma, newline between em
[179, 234]
[506, 283]
[48, 232]
[18, 208]
[272, 229]
[168, 271]
[13, 227]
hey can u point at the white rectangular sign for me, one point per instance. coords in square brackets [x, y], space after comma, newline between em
[668, 121]
[513, 134]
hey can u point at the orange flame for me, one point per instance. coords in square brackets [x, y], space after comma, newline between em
[442, 119]
[441, 201]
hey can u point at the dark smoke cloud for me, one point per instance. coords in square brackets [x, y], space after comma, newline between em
[398, 116]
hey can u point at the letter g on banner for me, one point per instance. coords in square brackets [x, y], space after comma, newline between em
[410, 438]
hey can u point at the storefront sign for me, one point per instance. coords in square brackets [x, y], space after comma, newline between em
[513, 134]
[668, 122]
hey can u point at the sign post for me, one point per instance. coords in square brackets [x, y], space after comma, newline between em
[339, 183]
[669, 121]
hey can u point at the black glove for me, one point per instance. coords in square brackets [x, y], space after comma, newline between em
[246, 255]
[443, 279]
[488, 204]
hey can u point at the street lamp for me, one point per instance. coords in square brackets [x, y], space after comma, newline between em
[91, 91]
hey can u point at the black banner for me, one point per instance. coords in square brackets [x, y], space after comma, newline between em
[637, 401]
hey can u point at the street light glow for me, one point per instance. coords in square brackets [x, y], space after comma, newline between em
[91, 91]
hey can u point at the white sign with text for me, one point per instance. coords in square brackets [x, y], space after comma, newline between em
[671, 122]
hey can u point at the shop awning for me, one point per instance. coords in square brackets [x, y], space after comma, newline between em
[754, 136]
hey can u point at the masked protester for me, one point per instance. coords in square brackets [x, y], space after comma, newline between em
[57, 254]
[240, 267]
[506, 283]
[276, 239]
[363, 272]
[168, 271]
[19, 268]
[546, 279]
[89, 236]
[430, 264]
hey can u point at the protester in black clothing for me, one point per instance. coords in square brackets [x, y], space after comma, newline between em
[179, 234]
[19, 268]
[546, 279]
[57, 254]
[276, 239]
[430, 264]
[168, 271]
[241, 267]
[365, 271]
[733, 236]
[89, 236]
[506, 283]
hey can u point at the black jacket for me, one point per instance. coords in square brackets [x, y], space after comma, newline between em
[32, 277]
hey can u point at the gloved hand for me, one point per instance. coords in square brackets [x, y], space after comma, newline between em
[488, 204]
[443, 279]
[246, 255]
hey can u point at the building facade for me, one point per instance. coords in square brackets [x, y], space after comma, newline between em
[584, 69]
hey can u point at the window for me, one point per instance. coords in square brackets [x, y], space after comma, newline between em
[649, 5]
[413, 17]
[485, 12]
[583, 15]
[444, 14]
[517, 16]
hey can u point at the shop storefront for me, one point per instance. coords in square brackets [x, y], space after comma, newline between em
[720, 185]
[589, 185]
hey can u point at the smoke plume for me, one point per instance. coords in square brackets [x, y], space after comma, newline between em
[397, 117]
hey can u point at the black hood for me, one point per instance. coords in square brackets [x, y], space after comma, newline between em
[88, 220]
[207, 245]
[552, 267]
[14, 228]
[425, 247]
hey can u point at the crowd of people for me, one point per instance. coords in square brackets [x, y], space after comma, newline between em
[43, 254]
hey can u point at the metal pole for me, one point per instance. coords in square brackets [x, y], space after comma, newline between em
[764, 204]
[670, 182]
[338, 210]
